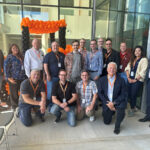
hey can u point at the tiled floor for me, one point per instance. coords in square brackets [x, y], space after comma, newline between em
[85, 136]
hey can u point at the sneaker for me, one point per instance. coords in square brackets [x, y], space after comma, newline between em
[130, 113]
[58, 118]
[92, 118]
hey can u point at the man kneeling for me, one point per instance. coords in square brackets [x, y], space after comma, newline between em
[113, 93]
[32, 97]
[64, 98]
[87, 94]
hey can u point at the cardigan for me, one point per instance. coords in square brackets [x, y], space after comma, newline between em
[141, 69]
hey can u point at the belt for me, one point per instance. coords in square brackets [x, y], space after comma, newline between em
[92, 71]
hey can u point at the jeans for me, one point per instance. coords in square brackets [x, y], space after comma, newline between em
[56, 110]
[25, 113]
[133, 90]
[124, 76]
[49, 89]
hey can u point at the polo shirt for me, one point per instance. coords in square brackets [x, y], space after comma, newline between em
[26, 88]
[57, 91]
[52, 62]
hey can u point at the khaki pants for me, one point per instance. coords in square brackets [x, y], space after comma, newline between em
[82, 114]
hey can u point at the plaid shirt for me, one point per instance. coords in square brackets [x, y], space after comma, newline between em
[90, 90]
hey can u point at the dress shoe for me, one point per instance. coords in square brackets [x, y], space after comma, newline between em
[146, 118]
[117, 130]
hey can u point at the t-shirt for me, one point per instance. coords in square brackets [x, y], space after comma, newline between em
[57, 91]
[52, 61]
[26, 88]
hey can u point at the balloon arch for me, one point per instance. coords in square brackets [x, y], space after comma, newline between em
[44, 27]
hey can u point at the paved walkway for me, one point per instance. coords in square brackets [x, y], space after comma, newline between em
[85, 136]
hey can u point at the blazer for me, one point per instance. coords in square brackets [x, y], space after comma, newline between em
[141, 69]
[119, 92]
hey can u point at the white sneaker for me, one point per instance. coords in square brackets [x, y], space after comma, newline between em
[92, 118]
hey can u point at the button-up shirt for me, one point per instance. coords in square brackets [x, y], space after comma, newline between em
[86, 95]
[110, 89]
[33, 60]
[94, 62]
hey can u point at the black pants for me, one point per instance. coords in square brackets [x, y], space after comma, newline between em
[148, 99]
[14, 89]
[107, 116]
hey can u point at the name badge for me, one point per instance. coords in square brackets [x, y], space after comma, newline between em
[59, 64]
[34, 98]
[22, 67]
[120, 66]
[64, 100]
[149, 74]
[83, 101]
[90, 66]
[104, 66]
[132, 73]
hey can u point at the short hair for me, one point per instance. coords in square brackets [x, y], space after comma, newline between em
[84, 70]
[108, 39]
[75, 41]
[54, 42]
[35, 70]
[62, 70]
[123, 42]
[94, 40]
[82, 39]
[112, 63]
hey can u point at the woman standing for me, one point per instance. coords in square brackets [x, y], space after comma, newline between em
[14, 72]
[136, 71]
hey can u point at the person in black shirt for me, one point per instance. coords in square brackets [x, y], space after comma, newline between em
[110, 55]
[53, 62]
[32, 96]
[64, 98]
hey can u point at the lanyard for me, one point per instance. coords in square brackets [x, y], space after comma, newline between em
[34, 89]
[57, 56]
[111, 85]
[84, 88]
[37, 54]
[63, 89]
[107, 55]
[92, 55]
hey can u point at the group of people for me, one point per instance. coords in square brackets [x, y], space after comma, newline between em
[76, 82]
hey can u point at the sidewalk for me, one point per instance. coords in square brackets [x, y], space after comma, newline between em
[86, 135]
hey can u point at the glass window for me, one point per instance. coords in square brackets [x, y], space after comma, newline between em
[41, 2]
[10, 1]
[141, 30]
[130, 5]
[10, 31]
[101, 4]
[143, 6]
[79, 23]
[75, 3]
[117, 5]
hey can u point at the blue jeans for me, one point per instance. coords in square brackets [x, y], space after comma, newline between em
[124, 76]
[25, 113]
[49, 89]
[56, 110]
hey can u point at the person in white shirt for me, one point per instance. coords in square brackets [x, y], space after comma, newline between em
[34, 58]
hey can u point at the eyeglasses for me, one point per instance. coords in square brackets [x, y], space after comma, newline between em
[108, 43]
[62, 75]
[100, 41]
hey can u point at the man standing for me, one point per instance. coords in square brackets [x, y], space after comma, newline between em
[34, 58]
[74, 63]
[87, 94]
[32, 96]
[82, 49]
[112, 91]
[110, 55]
[64, 98]
[124, 59]
[94, 61]
[101, 45]
[53, 62]
[147, 116]
[1, 68]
